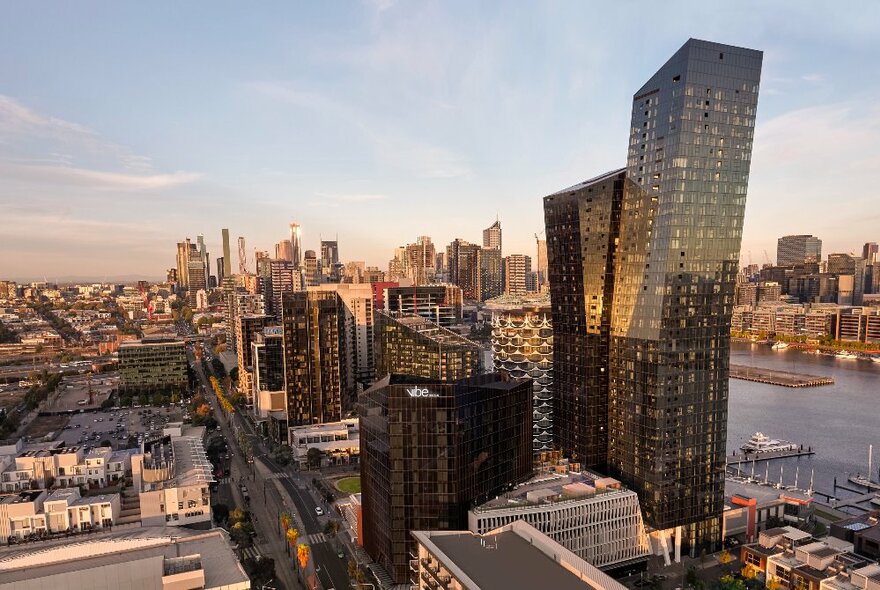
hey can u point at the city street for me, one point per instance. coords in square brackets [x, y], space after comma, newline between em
[299, 498]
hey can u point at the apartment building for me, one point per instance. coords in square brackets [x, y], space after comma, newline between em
[38, 512]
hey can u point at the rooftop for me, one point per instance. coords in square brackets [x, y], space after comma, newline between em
[516, 556]
[60, 556]
[586, 183]
[430, 330]
[548, 488]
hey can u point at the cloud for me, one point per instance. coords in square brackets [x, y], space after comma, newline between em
[390, 146]
[78, 177]
[354, 198]
[814, 77]
[45, 150]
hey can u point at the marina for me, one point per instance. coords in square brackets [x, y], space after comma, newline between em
[777, 377]
[746, 458]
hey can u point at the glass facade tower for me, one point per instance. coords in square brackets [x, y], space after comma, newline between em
[671, 266]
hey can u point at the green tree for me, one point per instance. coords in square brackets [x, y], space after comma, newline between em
[314, 456]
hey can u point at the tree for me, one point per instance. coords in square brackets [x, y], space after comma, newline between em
[774, 584]
[221, 513]
[285, 520]
[724, 558]
[260, 570]
[355, 573]
[314, 456]
[283, 455]
[691, 576]
[157, 399]
[728, 582]
[331, 528]
[292, 536]
[106, 443]
[302, 554]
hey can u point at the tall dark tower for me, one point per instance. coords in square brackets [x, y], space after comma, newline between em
[659, 281]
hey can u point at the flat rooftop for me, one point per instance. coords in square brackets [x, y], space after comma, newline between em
[61, 556]
[549, 488]
[431, 330]
[505, 560]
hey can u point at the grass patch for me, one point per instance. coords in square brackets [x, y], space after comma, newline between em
[349, 485]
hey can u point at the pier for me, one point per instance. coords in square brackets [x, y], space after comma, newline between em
[777, 377]
[759, 457]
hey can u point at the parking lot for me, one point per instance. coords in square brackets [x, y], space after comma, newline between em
[74, 392]
[90, 428]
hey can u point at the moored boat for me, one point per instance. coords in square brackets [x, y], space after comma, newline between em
[761, 443]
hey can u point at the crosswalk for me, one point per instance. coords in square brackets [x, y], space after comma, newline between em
[251, 552]
[222, 480]
[316, 538]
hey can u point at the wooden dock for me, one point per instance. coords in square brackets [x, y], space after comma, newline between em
[776, 377]
[745, 459]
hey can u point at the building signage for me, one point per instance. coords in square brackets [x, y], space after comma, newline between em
[421, 392]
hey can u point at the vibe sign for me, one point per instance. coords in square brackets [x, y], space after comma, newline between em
[421, 392]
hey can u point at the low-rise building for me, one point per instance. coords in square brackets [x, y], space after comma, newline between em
[594, 517]
[338, 442]
[64, 467]
[173, 476]
[750, 507]
[149, 557]
[36, 513]
[513, 556]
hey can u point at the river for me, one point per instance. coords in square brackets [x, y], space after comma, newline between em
[839, 421]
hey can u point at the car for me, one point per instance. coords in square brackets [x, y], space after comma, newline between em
[319, 511]
[340, 555]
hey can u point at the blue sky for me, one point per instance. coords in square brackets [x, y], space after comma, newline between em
[127, 126]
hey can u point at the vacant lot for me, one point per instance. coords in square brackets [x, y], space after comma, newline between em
[43, 425]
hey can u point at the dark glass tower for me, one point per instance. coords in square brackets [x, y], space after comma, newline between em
[431, 450]
[669, 277]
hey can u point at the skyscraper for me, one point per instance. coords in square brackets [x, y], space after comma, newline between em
[311, 272]
[420, 260]
[329, 253]
[491, 273]
[221, 265]
[411, 345]
[183, 264]
[242, 257]
[430, 450]
[227, 256]
[283, 250]
[463, 259]
[791, 250]
[642, 265]
[492, 236]
[517, 268]
[296, 245]
[312, 356]
[869, 252]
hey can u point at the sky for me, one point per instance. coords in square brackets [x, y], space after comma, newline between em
[127, 126]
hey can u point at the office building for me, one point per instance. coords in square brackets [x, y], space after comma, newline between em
[148, 557]
[313, 349]
[267, 352]
[594, 517]
[647, 259]
[153, 365]
[870, 251]
[464, 264]
[221, 263]
[791, 250]
[850, 273]
[411, 345]
[517, 268]
[522, 346]
[516, 555]
[339, 442]
[429, 450]
[183, 264]
[492, 236]
[757, 293]
[296, 244]
[441, 304]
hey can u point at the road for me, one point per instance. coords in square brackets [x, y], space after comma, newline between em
[331, 570]
[264, 514]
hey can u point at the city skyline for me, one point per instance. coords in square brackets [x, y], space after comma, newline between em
[102, 166]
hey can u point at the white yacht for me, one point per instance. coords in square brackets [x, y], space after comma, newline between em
[780, 345]
[761, 443]
[843, 354]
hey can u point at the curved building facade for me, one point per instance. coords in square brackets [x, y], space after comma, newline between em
[522, 345]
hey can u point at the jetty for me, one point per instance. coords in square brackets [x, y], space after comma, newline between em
[746, 458]
[777, 377]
